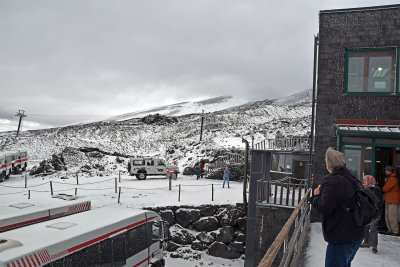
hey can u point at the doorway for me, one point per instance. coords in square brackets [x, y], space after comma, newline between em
[385, 156]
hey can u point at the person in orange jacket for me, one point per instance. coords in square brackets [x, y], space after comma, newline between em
[391, 195]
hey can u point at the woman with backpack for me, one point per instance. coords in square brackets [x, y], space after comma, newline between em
[371, 230]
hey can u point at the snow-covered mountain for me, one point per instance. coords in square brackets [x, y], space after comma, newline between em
[175, 139]
[184, 108]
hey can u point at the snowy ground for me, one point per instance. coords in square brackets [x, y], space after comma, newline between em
[134, 193]
[155, 192]
[387, 256]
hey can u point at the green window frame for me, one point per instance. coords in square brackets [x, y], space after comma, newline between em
[372, 71]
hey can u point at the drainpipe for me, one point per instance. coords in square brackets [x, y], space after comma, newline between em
[246, 164]
[310, 165]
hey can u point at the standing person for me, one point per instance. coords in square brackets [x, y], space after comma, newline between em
[226, 177]
[334, 200]
[202, 164]
[371, 230]
[391, 195]
[197, 170]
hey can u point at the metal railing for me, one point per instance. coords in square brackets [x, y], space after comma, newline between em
[229, 158]
[287, 191]
[285, 143]
[292, 249]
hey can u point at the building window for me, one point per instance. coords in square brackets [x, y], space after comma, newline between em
[371, 71]
[282, 162]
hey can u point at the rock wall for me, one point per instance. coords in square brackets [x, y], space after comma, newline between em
[220, 230]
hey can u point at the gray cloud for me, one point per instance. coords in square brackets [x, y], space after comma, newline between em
[68, 59]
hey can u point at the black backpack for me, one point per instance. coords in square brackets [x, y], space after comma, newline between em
[368, 206]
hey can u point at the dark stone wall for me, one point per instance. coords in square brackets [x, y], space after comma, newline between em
[365, 28]
[269, 222]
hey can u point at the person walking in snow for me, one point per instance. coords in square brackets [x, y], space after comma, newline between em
[391, 195]
[226, 177]
[371, 230]
[333, 199]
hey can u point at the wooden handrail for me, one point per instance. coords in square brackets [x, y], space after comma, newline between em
[273, 250]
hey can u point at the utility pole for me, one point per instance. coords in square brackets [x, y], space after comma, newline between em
[201, 127]
[246, 163]
[21, 114]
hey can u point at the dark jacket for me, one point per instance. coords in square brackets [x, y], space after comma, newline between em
[378, 193]
[337, 194]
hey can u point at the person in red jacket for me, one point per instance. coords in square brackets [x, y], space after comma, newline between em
[391, 195]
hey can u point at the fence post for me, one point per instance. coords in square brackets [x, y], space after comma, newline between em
[119, 175]
[179, 194]
[116, 185]
[119, 195]
[29, 194]
[26, 180]
[170, 180]
[212, 192]
[76, 191]
[51, 187]
[77, 180]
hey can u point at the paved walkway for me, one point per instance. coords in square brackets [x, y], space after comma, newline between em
[388, 251]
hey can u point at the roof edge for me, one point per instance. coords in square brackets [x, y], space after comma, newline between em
[359, 9]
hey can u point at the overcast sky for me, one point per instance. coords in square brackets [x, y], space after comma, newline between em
[65, 61]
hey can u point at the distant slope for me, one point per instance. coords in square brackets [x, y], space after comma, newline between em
[183, 108]
[302, 97]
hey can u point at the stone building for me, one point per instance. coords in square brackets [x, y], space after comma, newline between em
[358, 96]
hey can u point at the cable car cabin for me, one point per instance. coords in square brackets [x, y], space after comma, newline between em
[111, 236]
[22, 214]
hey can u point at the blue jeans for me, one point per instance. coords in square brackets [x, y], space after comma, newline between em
[226, 179]
[341, 254]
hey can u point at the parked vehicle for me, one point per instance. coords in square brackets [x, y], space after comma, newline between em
[111, 236]
[5, 165]
[22, 214]
[19, 159]
[143, 167]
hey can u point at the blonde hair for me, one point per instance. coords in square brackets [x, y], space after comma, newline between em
[335, 159]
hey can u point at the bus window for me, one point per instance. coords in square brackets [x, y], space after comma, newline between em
[137, 240]
[105, 258]
[119, 250]
[160, 162]
[150, 163]
[88, 256]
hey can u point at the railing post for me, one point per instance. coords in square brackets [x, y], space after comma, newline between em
[293, 193]
[287, 193]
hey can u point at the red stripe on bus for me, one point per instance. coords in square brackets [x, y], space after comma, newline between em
[143, 261]
[36, 257]
[106, 235]
[27, 260]
[18, 263]
[41, 257]
[32, 260]
[48, 255]
[23, 223]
